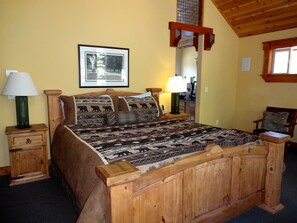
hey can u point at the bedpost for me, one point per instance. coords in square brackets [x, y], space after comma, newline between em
[54, 111]
[155, 92]
[275, 143]
[119, 178]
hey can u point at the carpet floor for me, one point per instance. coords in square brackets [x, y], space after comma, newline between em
[47, 202]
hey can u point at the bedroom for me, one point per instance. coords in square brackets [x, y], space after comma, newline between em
[41, 38]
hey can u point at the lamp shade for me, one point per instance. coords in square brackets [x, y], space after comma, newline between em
[19, 84]
[175, 84]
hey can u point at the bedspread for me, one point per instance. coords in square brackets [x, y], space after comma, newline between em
[156, 143]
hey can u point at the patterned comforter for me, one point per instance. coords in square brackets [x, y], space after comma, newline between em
[154, 144]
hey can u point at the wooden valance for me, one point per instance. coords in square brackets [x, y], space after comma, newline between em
[176, 34]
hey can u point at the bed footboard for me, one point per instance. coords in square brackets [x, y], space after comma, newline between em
[212, 186]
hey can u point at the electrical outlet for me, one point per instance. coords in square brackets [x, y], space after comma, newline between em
[217, 122]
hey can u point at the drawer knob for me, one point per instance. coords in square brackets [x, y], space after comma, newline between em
[28, 141]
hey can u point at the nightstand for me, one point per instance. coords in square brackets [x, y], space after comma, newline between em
[27, 153]
[181, 115]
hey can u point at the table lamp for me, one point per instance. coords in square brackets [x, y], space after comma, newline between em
[175, 85]
[20, 85]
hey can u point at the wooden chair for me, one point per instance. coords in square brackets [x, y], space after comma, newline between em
[290, 125]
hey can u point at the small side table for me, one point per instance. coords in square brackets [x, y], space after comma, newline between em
[27, 153]
[182, 115]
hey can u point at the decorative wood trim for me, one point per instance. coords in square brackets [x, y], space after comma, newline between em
[176, 34]
[268, 48]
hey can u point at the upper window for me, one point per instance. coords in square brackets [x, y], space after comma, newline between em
[280, 60]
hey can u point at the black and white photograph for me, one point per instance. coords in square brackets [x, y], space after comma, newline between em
[101, 66]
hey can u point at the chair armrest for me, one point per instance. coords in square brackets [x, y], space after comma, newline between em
[291, 124]
[291, 127]
[257, 122]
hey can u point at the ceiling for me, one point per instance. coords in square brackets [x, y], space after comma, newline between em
[252, 17]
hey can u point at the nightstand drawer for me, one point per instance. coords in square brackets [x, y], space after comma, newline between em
[26, 140]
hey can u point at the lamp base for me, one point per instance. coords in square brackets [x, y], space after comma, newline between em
[174, 103]
[22, 112]
[23, 126]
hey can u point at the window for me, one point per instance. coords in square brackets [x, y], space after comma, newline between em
[280, 60]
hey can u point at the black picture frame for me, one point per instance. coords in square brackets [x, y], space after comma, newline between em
[103, 67]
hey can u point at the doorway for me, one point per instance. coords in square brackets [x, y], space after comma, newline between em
[186, 65]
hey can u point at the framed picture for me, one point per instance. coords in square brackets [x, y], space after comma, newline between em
[101, 66]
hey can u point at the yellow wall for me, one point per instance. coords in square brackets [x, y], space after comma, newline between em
[188, 63]
[253, 93]
[41, 36]
[218, 71]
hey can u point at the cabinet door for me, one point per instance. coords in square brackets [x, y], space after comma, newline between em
[28, 161]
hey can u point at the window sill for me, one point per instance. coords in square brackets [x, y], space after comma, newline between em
[288, 78]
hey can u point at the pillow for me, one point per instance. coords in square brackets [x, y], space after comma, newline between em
[147, 105]
[146, 94]
[122, 106]
[86, 110]
[275, 121]
[125, 117]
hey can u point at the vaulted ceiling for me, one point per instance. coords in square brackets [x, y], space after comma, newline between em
[252, 17]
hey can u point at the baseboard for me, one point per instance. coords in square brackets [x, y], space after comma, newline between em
[5, 170]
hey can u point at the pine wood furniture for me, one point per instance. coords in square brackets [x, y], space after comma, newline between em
[181, 115]
[28, 153]
[210, 186]
[189, 107]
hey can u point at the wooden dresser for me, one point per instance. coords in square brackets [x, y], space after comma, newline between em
[27, 153]
[188, 106]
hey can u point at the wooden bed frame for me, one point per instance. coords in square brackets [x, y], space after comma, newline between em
[211, 186]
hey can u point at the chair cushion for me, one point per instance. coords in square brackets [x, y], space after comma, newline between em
[275, 121]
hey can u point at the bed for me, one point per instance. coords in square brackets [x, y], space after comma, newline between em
[121, 172]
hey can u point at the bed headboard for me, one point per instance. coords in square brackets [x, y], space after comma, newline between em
[55, 116]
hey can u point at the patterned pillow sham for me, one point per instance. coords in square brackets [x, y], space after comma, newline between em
[87, 110]
[125, 117]
[147, 105]
[275, 121]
